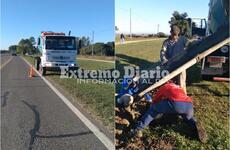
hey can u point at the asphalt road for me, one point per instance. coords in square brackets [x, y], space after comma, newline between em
[34, 117]
[5, 58]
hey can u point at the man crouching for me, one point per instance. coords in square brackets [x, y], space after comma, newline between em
[170, 99]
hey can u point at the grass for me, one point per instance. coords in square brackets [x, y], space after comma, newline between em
[127, 38]
[109, 58]
[211, 100]
[97, 98]
[143, 54]
[95, 65]
[146, 50]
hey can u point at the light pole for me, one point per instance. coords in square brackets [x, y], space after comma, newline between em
[92, 41]
[130, 24]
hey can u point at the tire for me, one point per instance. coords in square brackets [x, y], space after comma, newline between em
[37, 62]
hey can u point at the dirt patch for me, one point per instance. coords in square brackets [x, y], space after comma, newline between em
[125, 120]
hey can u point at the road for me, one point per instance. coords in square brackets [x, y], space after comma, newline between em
[34, 117]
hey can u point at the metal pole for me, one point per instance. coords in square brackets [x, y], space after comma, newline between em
[158, 26]
[92, 41]
[130, 30]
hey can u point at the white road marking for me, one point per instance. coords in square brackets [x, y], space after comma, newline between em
[101, 136]
[3, 65]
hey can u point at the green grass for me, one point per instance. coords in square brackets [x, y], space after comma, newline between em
[97, 98]
[147, 50]
[211, 100]
[117, 38]
[142, 54]
[95, 65]
[109, 58]
[29, 58]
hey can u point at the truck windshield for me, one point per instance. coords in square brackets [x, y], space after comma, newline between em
[60, 43]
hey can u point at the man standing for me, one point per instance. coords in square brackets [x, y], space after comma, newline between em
[122, 38]
[171, 47]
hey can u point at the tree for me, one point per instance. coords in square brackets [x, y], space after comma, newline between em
[85, 41]
[32, 40]
[25, 46]
[181, 20]
[110, 49]
[101, 49]
[82, 42]
[12, 48]
[161, 35]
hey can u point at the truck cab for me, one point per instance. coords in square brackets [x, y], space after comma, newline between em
[13, 53]
[56, 50]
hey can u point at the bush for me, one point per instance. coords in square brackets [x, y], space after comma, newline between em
[161, 35]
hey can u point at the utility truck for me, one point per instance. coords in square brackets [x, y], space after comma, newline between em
[217, 63]
[56, 50]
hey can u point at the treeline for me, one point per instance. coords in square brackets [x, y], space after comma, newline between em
[101, 49]
[24, 46]
[84, 46]
[158, 35]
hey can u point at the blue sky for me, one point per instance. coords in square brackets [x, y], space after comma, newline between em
[25, 18]
[147, 14]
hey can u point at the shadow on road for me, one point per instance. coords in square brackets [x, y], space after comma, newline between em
[35, 130]
[64, 135]
[36, 125]
[4, 99]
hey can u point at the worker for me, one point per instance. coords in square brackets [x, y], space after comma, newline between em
[122, 38]
[170, 99]
[129, 88]
[172, 46]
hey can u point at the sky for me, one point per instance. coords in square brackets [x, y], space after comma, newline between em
[147, 14]
[26, 18]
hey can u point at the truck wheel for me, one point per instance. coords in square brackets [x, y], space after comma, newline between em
[42, 70]
[37, 61]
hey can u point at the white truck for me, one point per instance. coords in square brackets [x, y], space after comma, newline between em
[217, 63]
[56, 50]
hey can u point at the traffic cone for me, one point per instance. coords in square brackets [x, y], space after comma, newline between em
[31, 72]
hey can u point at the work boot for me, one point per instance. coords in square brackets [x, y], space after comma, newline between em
[201, 133]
